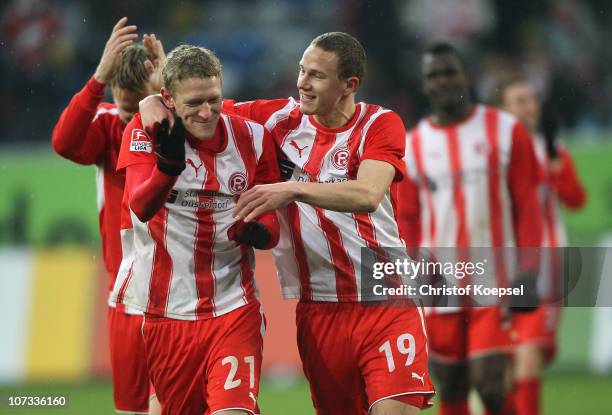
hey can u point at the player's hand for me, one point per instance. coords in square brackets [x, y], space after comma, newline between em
[157, 62]
[170, 150]
[252, 233]
[529, 301]
[121, 37]
[153, 112]
[264, 198]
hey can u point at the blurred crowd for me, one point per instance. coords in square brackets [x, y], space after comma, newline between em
[49, 48]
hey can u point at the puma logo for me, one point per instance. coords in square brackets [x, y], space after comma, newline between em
[295, 145]
[419, 377]
[252, 397]
[192, 164]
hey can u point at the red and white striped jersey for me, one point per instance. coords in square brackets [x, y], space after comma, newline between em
[89, 132]
[473, 183]
[318, 257]
[183, 264]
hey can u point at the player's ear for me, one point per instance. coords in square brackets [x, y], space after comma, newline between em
[167, 97]
[352, 84]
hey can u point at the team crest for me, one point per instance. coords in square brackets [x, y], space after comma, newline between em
[140, 141]
[482, 147]
[339, 158]
[237, 183]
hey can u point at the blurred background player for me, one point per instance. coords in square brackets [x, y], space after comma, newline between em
[560, 185]
[472, 182]
[191, 271]
[89, 132]
[340, 158]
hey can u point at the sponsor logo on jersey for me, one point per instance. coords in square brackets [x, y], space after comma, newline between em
[206, 203]
[140, 141]
[305, 177]
[201, 199]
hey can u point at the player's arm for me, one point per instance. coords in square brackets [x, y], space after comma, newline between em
[408, 208]
[523, 185]
[150, 177]
[259, 110]
[76, 136]
[148, 189]
[360, 195]
[381, 164]
[565, 181]
[527, 217]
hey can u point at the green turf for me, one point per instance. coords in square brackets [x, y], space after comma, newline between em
[566, 394]
[585, 227]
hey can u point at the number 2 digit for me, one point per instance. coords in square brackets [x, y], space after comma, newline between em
[231, 382]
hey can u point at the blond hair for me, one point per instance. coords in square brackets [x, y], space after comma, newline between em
[132, 75]
[189, 61]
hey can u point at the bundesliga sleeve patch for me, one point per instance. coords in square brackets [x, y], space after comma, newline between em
[140, 141]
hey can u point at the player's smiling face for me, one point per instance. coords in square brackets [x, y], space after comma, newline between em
[318, 82]
[198, 102]
[445, 81]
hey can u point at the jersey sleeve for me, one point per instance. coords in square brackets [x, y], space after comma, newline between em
[147, 189]
[259, 110]
[523, 182]
[267, 166]
[136, 145]
[566, 183]
[405, 196]
[386, 141]
[79, 135]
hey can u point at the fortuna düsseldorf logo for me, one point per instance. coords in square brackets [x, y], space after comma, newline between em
[237, 182]
[340, 158]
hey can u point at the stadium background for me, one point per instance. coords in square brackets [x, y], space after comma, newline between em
[52, 288]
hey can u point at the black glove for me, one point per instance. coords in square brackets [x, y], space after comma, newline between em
[529, 301]
[171, 147]
[250, 233]
[550, 130]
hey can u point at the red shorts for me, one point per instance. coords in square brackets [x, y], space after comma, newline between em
[355, 355]
[469, 333]
[204, 366]
[127, 353]
[538, 327]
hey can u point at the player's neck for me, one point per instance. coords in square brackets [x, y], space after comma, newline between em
[343, 112]
[448, 116]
